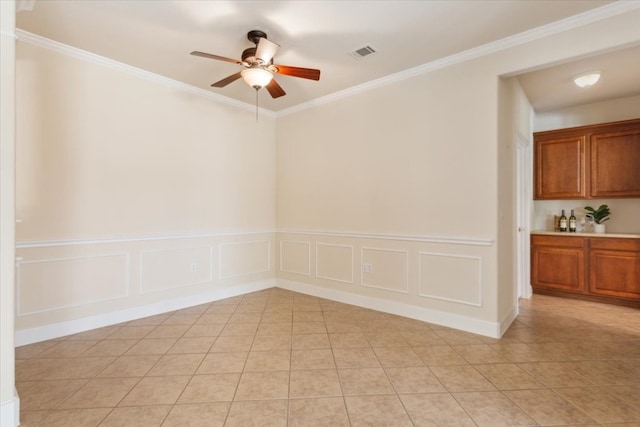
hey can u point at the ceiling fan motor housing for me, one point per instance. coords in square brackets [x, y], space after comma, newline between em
[249, 55]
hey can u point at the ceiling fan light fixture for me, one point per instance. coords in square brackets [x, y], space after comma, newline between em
[256, 77]
[259, 67]
[587, 79]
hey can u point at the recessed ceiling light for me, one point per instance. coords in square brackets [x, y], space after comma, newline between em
[587, 79]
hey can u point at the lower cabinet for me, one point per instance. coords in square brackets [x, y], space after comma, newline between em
[558, 263]
[595, 268]
[614, 266]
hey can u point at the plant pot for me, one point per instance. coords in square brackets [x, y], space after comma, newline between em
[599, 228]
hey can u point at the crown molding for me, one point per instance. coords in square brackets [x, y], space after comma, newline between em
[45, 43]
[614, 9]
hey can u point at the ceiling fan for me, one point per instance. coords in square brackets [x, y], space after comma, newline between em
[259, 66]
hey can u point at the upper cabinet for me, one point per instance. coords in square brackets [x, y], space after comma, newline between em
[615, 163]
[561, 171]
[597, 161]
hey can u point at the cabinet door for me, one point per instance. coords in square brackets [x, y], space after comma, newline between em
[615, 268]
[560, 267]
[615, 164]
[560, 171]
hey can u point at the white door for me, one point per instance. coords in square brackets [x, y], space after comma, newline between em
[523, 197]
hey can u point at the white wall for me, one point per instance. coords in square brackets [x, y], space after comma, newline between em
[408, 177]
[396, 175]
[405, 178]
[625, 213]
[9, 402]
[514, 128]
[135, 196]
[589, 114]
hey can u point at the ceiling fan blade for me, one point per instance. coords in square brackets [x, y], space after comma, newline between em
[275, 90]
[266, 49]
[232, 78]
[212, 56]
[305, 73]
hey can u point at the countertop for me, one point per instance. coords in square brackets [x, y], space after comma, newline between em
[582, 234]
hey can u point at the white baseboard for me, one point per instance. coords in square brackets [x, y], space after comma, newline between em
[42, 333]
[456, 321]
[509, 318]
[442, 318]
[529, 292]
[10, 412]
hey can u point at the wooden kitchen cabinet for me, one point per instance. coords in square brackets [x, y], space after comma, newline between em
[588, 162]
[561, 168]
[601, 269]
[558, 263]
[615, 267]
[615, 163]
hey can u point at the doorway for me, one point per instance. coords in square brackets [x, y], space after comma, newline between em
[523, 214]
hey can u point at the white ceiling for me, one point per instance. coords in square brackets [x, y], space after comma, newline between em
[157, 36]
[553, 88]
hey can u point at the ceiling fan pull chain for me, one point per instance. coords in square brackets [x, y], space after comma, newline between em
[256, 105]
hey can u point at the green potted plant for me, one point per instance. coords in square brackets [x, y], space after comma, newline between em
[599, 216]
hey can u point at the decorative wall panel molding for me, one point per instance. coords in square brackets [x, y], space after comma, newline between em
[295, 257]
[62, 284]
[450, 277]
[389, 269]
[132, 239]
[240, 259]
[334, 262]
[175, 268]
[57, 283]
[450, 240]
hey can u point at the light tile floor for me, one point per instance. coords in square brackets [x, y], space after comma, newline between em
[280, 358]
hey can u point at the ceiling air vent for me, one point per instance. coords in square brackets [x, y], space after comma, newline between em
[362, 52]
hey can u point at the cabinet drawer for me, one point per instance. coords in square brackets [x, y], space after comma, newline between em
[615, 244]
[567, 241]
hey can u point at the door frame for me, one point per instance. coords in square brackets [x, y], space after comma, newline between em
[524, 175]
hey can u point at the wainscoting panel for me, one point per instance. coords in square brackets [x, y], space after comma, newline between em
[52, 284]
[449, 277]
[389, 269]
[175, 268]
[334, 262]
[240, 259]
[66, 287]
[295, 257]
[446, 280]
